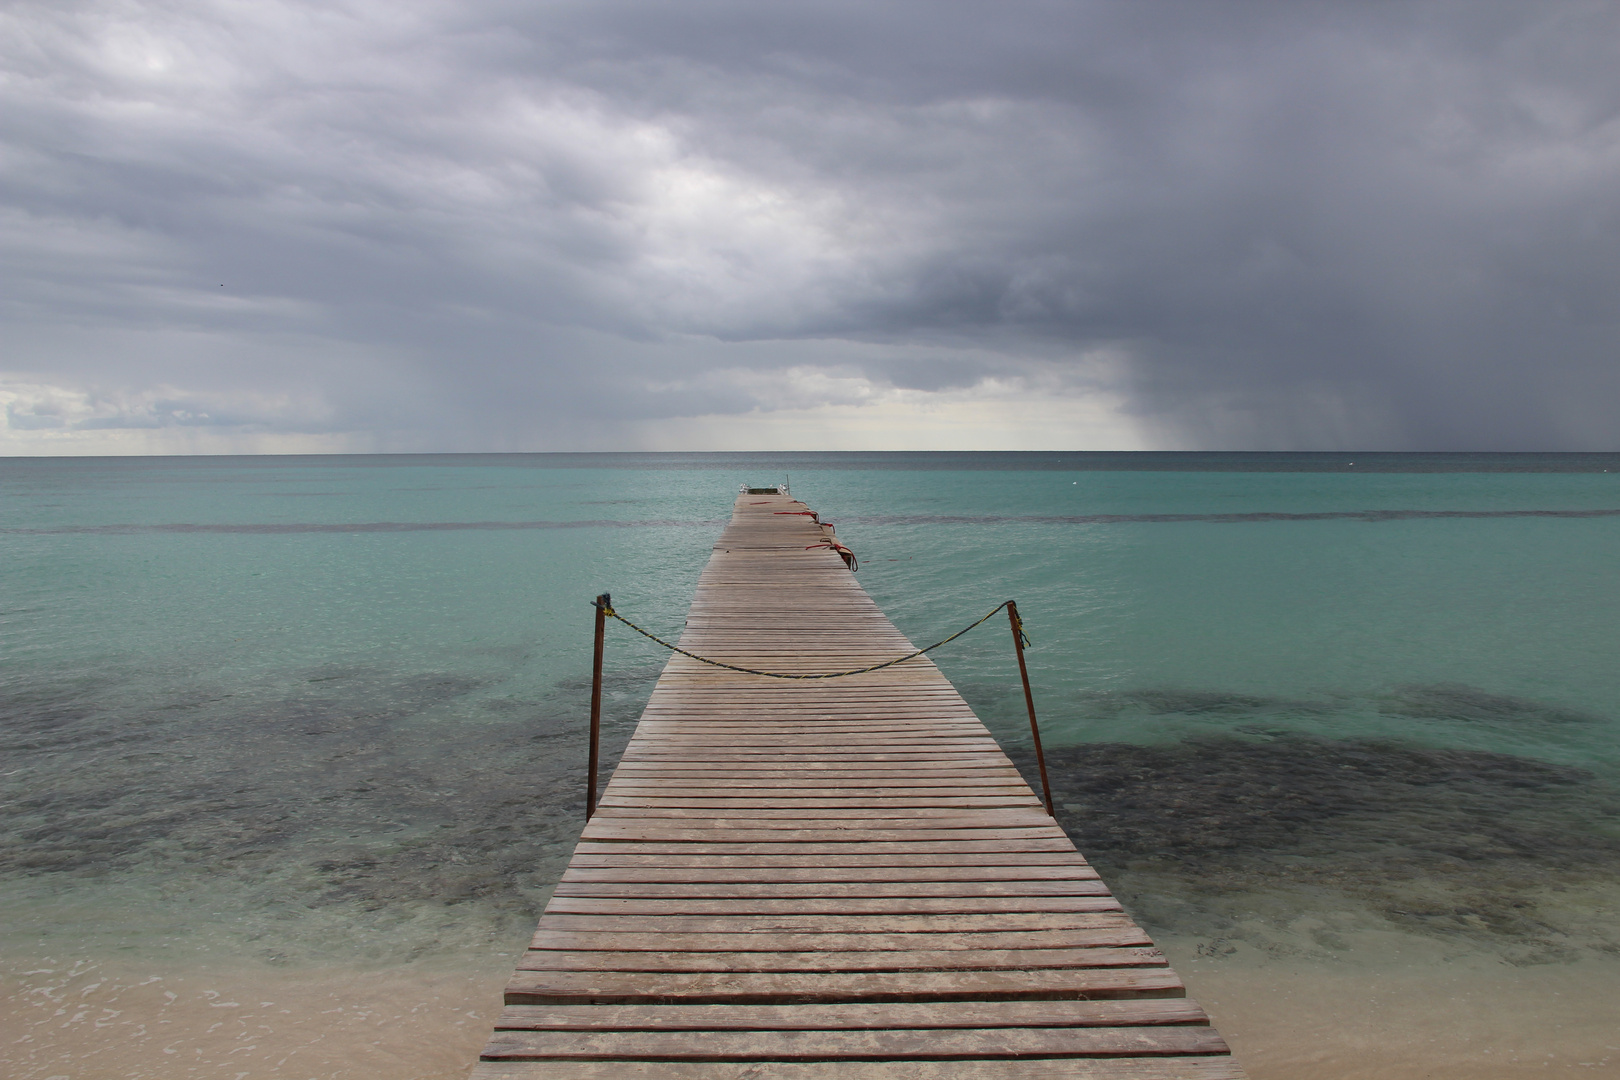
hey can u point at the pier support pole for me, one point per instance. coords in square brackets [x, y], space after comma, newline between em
[1029, 702]
[601, 604]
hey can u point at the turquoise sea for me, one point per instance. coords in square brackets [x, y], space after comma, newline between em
[311, 710]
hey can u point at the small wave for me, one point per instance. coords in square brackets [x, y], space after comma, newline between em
[258, 528]
[1220, 519]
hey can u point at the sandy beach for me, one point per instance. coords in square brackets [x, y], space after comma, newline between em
[1415, 1014]
[78, 1019]
[1426, 1016]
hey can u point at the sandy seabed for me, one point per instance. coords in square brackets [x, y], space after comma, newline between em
[1426, 1016]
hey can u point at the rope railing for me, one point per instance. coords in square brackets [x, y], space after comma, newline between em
[604, 610]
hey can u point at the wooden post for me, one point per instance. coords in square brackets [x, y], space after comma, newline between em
[601, 603]
[1029, 702]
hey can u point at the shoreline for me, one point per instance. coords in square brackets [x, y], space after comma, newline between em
[1396, 1007]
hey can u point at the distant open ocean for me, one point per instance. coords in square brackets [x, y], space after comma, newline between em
[267, 719]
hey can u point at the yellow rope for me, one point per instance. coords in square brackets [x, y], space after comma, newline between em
[606, 610]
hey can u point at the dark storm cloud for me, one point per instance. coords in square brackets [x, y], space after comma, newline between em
[501, 224]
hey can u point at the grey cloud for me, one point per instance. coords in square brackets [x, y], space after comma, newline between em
[1295, 224]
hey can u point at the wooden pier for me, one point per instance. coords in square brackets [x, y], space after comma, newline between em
[830, 880]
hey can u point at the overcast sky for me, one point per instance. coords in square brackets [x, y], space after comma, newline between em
[356, 225]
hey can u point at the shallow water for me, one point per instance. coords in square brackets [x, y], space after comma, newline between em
[275, 715]
[1497, 856]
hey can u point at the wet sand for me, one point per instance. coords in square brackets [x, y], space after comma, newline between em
[81, 1020]
[1434, 1020]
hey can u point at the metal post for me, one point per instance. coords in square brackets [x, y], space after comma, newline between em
[1029, 701]
[601, 603]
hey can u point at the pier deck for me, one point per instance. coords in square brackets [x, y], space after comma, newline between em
[830, 880]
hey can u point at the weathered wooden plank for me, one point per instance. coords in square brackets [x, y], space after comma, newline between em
[895, 1016]
[830, 960]
[767, 988]
[855, 800]
[829, 743]
[763, 771]
[816, 787]
[909, 846]
[1120, 936]
[832, 1045]
[1187, 1068]
[1031, 860]
[797, 815]
[710, 874]
[812, 771]
[858, 755]
[708, 766]
[852, 760]
[995, 817]
[785, 890]
[718, 800]
[816, 768]
[717, 831]
[717, 721]
[841, 922]
[814, 905]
